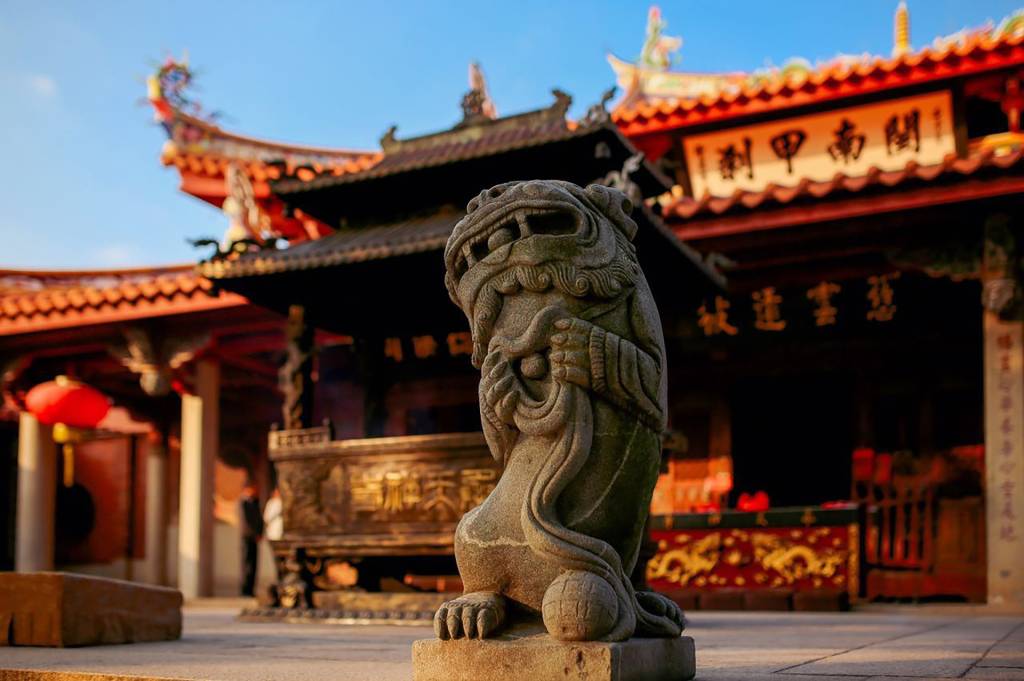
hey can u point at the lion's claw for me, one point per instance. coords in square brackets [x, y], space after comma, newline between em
[474, 615]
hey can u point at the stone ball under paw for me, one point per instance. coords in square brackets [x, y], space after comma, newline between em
[579, 606]
[534, 366]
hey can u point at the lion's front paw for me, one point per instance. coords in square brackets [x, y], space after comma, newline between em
[473, 615]
[570, 351]
[662, 606]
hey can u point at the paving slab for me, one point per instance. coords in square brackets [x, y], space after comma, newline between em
[1005, 654]
[944, 649]
[996, 674]
[905, 643]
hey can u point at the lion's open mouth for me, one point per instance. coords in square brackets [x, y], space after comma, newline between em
[519, 220]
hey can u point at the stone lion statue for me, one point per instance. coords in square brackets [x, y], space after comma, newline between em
[572, 398]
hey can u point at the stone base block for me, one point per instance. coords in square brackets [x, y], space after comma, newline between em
[532, 656]
[57, 609]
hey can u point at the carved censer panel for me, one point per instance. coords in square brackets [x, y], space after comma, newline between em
[379, 486]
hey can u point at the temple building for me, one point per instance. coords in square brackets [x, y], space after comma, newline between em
[301, 315]
[867, 354]
[833, 250]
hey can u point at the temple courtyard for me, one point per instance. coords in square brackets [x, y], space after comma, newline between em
[876, 642]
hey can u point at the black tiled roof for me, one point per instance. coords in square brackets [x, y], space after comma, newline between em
[414, 235]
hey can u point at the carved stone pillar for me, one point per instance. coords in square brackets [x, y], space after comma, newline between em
[156, 509]
[200, 416]
[37, 490]
[296, 374]
[1004, 417]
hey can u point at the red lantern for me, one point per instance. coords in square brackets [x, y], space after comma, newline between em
[67, 405]
[863, 464]
[753, 503]
[69, 402]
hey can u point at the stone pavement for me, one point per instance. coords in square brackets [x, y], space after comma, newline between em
[877, 644]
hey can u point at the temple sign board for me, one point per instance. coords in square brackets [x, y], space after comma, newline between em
[816, 147]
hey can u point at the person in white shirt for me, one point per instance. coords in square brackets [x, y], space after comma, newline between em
[273, 517]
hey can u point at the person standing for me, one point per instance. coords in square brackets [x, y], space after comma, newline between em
[273, 517]
[252, 530]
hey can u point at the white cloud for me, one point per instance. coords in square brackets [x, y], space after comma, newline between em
[116, 255]
[43, 85]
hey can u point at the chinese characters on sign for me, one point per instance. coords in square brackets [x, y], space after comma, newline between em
[880, 297]
[903, 132]
[393, 348]
[766, 305]
[424, 347]
[731, 159]
[786, 145]
[848, 143]
[824, 312]
[1007, 456]
[851, 141]
[439, 493]
[460, 343]
[716, 321]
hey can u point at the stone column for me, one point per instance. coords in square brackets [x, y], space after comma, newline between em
[1004, 419]
[1004, 459]
[37, 491]
[199, 444]
[296, 374]
[156, 510]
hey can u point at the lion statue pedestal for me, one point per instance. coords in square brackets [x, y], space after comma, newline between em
[572, 401]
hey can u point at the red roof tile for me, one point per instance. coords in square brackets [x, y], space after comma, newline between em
[213, 165]
[977, 53]
[951, 167]
[36, 301]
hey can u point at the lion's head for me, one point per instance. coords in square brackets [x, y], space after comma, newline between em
[537, 235]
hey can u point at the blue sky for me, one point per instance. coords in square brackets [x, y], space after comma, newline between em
[80, 182]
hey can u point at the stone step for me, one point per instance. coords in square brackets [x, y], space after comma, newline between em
[57, 609]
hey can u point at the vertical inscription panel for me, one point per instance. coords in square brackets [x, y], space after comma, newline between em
[1004, 458]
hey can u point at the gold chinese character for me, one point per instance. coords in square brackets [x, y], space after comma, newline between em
[460, 343]
[825, 312]
[766, 307]
[716, 322]
[475, 485]
[393, 348]
[438, 488]
[880, 296]
[367, 492]
[424, 346]
[401, 491]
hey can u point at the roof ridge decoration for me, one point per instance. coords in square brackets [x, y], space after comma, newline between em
[653, 93]
[193, 130]
[480, 139]
[477, 104]
[473, 127]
